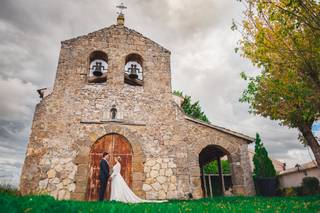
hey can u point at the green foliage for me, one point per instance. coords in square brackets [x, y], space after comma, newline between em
[310, 185]
[33, 204]
[178, 93]
[212, 167]
[298, 190]
[263, 166]
[192, 109]
[282, 38]
[288, 192]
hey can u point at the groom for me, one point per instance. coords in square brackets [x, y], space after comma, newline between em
[104, 175]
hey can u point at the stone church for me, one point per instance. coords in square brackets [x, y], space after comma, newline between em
[112, 92]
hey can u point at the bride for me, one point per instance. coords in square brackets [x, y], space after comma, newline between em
[120, 191]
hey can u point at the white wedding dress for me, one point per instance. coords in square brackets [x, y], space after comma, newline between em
[120, 191]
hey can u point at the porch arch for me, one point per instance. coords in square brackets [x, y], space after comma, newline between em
[83, 161]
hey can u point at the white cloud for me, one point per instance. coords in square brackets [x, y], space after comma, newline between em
[198, 34]
[17, 99]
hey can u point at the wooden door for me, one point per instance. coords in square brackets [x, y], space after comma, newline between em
[115, 145]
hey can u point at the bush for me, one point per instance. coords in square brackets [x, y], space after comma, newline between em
[8, 189]
[289, 192]
[310, 185]
[298, 190]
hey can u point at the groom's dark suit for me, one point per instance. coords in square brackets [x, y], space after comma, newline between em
[104, 175]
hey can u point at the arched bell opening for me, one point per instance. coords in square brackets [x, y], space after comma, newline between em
[215, 171]
[133, 70]
[98, 67]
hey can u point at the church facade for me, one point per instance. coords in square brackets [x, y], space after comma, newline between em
[113, 93]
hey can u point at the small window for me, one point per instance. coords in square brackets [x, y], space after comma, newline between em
[98, 67]
[133, 70]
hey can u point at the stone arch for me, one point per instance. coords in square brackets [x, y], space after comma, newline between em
[83, 162]
[116, 145]
[213, 153]
[98, 54]
[134, 69]
[134, 57]
[234, 150]
[98, 62]
[218, 151]
[221, 142]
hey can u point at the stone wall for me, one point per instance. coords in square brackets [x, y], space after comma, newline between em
[165, 144]
[60, 177]
[161, 179]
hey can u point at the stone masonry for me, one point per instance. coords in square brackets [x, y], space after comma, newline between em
[165, 142]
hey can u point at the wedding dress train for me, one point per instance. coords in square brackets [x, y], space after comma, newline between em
[120, 191]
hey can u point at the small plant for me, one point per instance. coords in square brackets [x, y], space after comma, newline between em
[289, 192]
[298, 190]
[9, 189]
[310, 185]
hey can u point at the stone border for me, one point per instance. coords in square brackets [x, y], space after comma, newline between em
[82, 160]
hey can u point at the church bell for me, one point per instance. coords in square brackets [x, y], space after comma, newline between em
[97, 69]
[133, 71]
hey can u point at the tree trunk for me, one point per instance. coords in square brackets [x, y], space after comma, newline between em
[311, 140]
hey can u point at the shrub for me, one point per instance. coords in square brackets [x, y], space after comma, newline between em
[310, 185]
[263, 166]
[9, 189]
[288, 192]
[298, 190]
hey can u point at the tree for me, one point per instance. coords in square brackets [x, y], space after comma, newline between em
[192, 109]
[263, 166]
[212, 167]
[282, 38]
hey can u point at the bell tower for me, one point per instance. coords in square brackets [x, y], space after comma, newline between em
[112, 92]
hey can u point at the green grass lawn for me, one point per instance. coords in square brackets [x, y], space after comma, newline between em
[47, 204]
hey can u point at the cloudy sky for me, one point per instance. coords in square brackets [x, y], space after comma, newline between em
[203, 61]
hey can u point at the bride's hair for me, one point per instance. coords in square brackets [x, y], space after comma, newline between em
[119, 158]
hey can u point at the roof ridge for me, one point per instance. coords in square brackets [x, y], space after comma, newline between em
[115, 26]
[237, 134]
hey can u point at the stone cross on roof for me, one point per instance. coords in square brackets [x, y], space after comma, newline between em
[121, 7]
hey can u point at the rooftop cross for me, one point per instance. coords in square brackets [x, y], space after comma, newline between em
[121, 7]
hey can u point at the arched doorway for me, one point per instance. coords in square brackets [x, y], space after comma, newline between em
[215, 171]
[115, 145]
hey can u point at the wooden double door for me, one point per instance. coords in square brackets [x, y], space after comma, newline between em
[115, 145]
